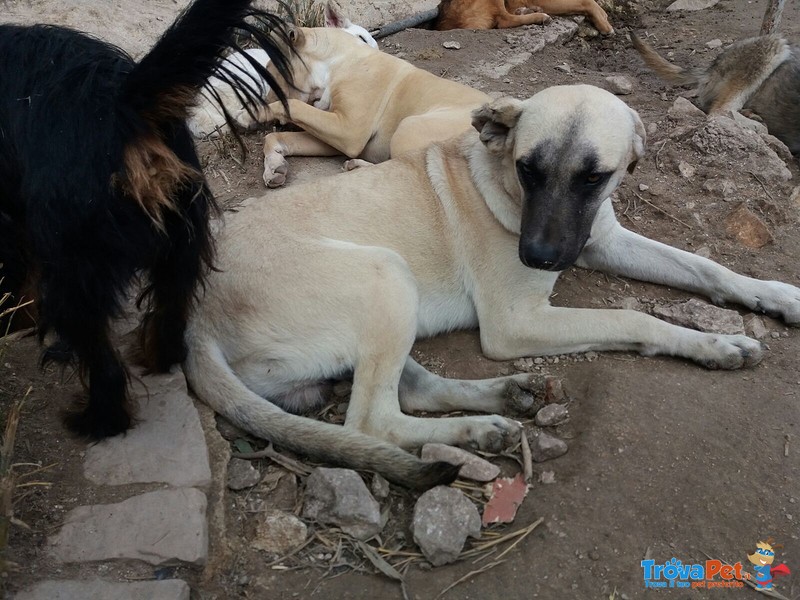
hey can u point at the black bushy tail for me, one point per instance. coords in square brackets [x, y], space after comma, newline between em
[166, 82]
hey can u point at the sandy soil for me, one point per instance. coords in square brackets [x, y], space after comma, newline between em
[666, 459]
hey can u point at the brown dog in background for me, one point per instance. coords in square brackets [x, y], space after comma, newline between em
[759, 76]
[500, 14]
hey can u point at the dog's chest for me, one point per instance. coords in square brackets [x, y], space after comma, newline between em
[445, 309]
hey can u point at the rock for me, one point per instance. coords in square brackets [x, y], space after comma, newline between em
[747, 228]
[228, 430]
[507, 496]
[701, 316]
[794, 198]
[619, 84]
[339, 497]
[564, 67]
[715, 43]
[342, 389]
[380, 487]
[683, 109]
[546, 447]
[729, 147]
[720, 187]
[554, 389]
[278, 532]
[643, 187]
[170, 589]
[748, 123]
[451, 45]
[781, 149]
[155, 527]
[166, 446]
[242, 474]
[551, 415]
[652, 128]
[547, 477]
[443, 519]
[686, 170]
[691, 5]
[703, 251]
[756, 328]
[629, 303]
[472, 467]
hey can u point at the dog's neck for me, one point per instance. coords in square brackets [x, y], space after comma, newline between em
[496, 181]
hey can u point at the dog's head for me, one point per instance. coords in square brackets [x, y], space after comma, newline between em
[569, 148]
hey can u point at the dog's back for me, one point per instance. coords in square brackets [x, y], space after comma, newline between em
[467, 14]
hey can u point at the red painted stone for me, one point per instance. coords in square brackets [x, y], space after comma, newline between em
[507, 496]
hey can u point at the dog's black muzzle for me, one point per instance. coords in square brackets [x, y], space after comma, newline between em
[552, 233]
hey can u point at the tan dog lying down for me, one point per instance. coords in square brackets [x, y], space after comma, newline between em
[494, 14]
[380, 106]
[341, 275]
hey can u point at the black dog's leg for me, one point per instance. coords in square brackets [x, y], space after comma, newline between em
[79, 298]
[175, 280]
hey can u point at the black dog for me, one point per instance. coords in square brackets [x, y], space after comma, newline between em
[99, 182]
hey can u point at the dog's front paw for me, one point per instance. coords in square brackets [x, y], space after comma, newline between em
[780, 301]
[718, 351]
[275, 169]
[491, 433]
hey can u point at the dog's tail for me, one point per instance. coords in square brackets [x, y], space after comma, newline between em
[665, 69]
[218, 386]
[165, 84]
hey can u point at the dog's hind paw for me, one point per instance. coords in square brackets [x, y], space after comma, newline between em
[491, 433]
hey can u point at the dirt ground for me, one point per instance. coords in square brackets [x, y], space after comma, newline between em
[665, 459]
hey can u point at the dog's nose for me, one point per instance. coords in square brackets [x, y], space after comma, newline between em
[539, 255]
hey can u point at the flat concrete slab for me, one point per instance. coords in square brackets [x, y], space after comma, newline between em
[166, 446]
[165, 526]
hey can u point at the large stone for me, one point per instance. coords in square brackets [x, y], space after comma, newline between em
[701, 316]
[278, 532]
[747, 228]
[691, 5]
[443, 519]
[472, 467]
[683, 109]
[724, 144]
[551, 415]
[171, 589]
[166, 445]
[242, 474]
[619, 84]
[339, 497]
[165, 526]
[545, 446]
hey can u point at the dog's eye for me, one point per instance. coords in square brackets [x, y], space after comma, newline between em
[594, 179]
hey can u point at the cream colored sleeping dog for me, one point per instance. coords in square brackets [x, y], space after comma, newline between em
[342, 274]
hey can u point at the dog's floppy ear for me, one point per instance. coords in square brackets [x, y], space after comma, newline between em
[495, 122]
[639, 141]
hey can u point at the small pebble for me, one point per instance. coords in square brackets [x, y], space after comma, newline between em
[451, 45]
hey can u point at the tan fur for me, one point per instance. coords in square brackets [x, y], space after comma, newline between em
[151, 174]
[340, 276]
[494, 14]
[734, 76]
[381, 106]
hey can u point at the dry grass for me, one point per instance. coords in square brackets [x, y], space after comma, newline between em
[304, 13]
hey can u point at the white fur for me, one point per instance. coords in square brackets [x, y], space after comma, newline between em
[208, 120]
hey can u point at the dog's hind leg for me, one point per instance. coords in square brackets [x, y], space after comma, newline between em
[422, 390]
[174, 280]
[78, 306]
[388, 328]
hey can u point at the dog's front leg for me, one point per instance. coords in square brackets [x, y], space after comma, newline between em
[507, 334]
[330, 127]
[279, 145]
[614, 249]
